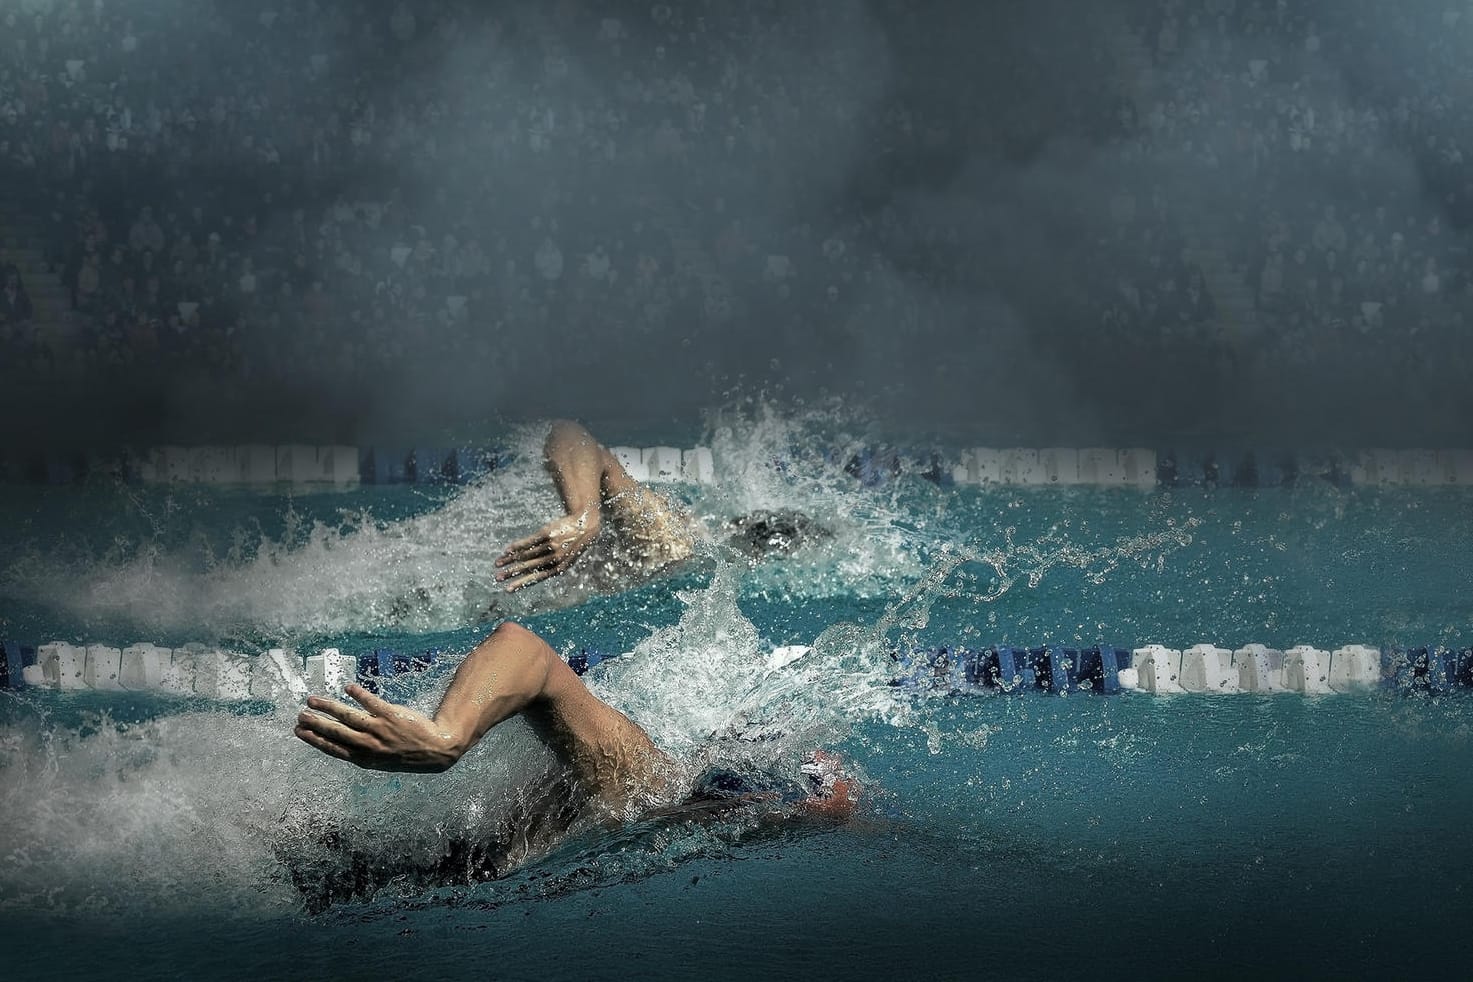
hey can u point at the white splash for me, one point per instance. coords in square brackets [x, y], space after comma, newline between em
[435, 571]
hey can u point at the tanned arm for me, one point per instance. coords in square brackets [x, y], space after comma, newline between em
[509, 673]
[585, 473]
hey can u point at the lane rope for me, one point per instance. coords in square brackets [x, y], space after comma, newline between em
[279, 674]
[1141, 468]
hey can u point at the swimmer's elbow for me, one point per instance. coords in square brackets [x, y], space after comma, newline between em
[512, 632]
[533, 657]
[565, 433]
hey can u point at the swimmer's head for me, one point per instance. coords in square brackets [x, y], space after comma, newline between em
[833, 793]
[765, 534]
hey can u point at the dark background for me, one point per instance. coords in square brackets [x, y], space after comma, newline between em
[1048, 221]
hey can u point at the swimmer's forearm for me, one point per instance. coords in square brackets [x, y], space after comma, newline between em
[585, 473]
[504, 675]
[578, 463]
[513, 671]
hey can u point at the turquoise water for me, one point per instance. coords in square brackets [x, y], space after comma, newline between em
[1001, 836]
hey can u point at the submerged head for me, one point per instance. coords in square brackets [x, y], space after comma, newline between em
[826, 789]
[833, 793]
[764, 534]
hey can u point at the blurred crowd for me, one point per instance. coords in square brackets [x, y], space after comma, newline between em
[1333, 134]
[244, 189]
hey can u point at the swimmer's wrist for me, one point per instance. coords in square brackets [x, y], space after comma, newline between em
[451, 741]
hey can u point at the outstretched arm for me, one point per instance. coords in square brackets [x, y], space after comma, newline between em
[584, 472]
[513, 671]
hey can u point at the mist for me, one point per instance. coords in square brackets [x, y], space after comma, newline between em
[993, 221]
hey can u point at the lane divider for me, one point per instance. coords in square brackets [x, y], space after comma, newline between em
[666, 464]
[1058, 466]
[1244, 467]
[281, 675]
[325, 467]
[276, 675]
[263, 465]
[1202, 668]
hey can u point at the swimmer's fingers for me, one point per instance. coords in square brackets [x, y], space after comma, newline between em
[364, 747]
[536, 576]
[350, 745]
[535, 562]
[334, 729]
[542, 551]
[351, 716]
[518, 575]
[314, 739]
[375, 704]
[522, 555]
[538, 537]
[335, 739]
[391, 737]
[537, 544]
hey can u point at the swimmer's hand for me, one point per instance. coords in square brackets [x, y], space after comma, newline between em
[548, 551]
[382, 736]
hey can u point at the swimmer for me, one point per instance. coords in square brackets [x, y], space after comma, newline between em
[782, 532]
[514, 672]
[650, 533]
[605, 758]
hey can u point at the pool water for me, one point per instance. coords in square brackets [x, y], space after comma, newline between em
[1026, 836]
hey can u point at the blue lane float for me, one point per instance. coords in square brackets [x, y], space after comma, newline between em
[1238, 468]
[381, 664]
[584, 659]
[1200, 669]
[1007, 669]
[1432, 669]
[18, 657]
[382, 465]
[1266, 469]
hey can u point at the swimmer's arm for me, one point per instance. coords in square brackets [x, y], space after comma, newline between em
[511, 672]
[505, 674]
[579, 465]
[585, 473]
